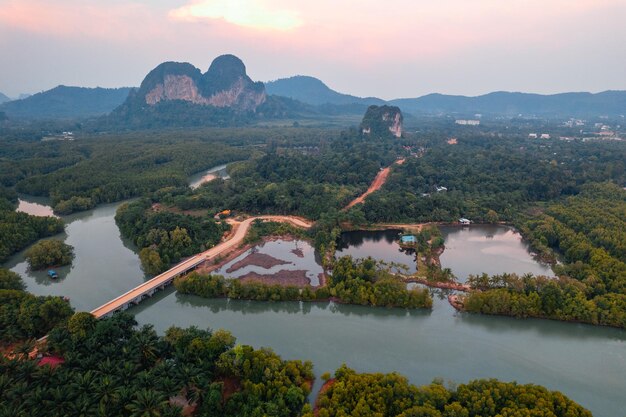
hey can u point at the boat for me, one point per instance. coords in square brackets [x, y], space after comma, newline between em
[53, 274]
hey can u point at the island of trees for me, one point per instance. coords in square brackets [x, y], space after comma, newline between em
[47, 253]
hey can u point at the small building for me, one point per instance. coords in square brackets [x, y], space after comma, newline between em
[464, 221]
[532, 136]
[545, 136]
[440, 189]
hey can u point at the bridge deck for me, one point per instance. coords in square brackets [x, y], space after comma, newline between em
[166, 277]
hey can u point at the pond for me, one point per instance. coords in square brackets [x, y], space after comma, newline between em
[380, 245]
[295, 260]
[493, 249]
[586, 363]
[210, 174]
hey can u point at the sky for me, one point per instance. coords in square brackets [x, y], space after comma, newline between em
[388, 49]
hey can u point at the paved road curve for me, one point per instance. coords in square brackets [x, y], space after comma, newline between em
[149, 287]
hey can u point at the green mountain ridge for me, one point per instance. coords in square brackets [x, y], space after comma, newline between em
[311, 90]
[65, 102]
[225, 95]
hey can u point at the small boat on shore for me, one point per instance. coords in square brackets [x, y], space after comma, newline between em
[53, 274]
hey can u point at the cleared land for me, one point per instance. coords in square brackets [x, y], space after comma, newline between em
[376, 185]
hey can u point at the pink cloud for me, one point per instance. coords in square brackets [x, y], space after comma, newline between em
[71, 18]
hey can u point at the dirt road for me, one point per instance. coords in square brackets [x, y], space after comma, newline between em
[376, 185]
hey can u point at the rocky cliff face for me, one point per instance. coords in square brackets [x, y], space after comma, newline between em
[382, 121]
[225, 84]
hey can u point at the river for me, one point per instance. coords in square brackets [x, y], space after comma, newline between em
[210, 174]
[104, 266]
[586, 363]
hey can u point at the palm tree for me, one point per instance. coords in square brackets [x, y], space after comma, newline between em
[147, 342]
[147, 403]
[84, 383]
[58, 401]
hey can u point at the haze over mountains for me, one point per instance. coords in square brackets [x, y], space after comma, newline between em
[65, 102]
[180, 94]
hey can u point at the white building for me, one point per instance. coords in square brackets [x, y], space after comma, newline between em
[545, 136]
[464, 122]
[532, 136]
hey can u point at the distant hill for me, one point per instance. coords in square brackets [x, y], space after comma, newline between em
[3, 98]
[313, 91]
[512, 104]
[66, 102]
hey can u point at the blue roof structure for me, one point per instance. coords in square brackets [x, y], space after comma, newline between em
[408, 239]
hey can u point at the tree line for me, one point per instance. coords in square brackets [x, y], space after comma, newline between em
[25, 316]
[18, 230]
[360, 282]
[561, 298]
[390, 395]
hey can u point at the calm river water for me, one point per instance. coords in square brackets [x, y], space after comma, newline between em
[586, 363]
[200, 178]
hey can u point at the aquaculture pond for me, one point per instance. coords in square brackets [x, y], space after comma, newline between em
[381, 245]
[292, 262]
[493, 249]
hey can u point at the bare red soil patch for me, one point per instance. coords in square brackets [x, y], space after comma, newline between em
[376, 185]
[325, 387]
[257, 259]
[230, 385]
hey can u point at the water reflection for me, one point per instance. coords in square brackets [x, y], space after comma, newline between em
[493, 249]
[380, 245]
[35, 206]
[104, 265]
[249, 307]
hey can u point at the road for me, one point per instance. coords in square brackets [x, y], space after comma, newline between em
[379, 181]
[235, 239]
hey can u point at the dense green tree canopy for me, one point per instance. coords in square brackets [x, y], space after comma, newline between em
[47, 253]
[390, 395]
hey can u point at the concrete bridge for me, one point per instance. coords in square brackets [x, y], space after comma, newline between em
[149, 288]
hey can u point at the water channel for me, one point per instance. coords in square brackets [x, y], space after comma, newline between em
[586, 363]
[210, 174]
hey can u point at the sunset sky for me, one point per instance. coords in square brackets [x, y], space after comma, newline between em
[389, 49]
